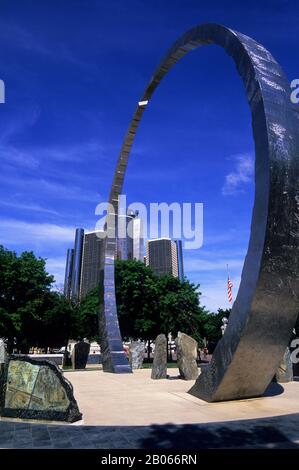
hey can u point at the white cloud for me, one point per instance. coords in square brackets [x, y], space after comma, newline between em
[20, 38]
[37, 157]
[55, 190]
[28, 206]
[56, 267]
[71, 192]
[18, 158]
[49, 241]
[18, 232]
[70, 153]
[214, 294]
[33, 156]
[209, 269]
[215, 259]
[198, 264]
[26, 118]
[242, 174]
[217, 238]
[43, 239]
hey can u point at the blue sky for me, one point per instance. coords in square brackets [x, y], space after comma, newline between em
[74, 71]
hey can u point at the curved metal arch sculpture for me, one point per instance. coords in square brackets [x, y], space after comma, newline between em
[267, 304]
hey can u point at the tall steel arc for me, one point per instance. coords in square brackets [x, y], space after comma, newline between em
[266, 306]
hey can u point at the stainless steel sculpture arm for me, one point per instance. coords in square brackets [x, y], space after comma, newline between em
[266, 306]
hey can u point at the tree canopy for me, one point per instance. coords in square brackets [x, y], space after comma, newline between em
[149, 305]
[31, 314]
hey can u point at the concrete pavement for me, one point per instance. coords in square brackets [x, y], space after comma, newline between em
[134, 412]
[136, 399]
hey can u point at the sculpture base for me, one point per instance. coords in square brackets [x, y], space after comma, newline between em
[116, 363]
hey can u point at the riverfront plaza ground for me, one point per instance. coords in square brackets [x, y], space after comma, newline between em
[133, 411]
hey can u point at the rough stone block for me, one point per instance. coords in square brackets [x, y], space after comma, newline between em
[3, 353]
[36, 389]
[80, 355]
[159, 369]
[136, 354]
[284, 372]
[186, 356]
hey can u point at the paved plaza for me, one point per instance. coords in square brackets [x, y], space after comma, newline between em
[133, 411]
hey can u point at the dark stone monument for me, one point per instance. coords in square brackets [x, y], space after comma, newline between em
[35, 389]
[159, 369]
[266, 307]
[80, 355]
[284, 372]
[136, 354]
[66, 359]
[3, 364]
[186, 349]
[3, 354]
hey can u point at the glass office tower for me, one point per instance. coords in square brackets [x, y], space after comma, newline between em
[164, 256]
[130, 242]
[84, 260]
[138, 240]
[93, 250]
[68, 273]
[77, 259]
[179, 249]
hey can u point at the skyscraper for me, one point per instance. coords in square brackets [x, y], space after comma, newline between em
[76, 268]
[130, 243]
[179, 249]
[124, 244]
[138, 240]
[164, 256]
[93, 250]
[82, 272]
[68, 273]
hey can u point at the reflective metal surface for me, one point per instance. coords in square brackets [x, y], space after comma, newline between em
[266, 306]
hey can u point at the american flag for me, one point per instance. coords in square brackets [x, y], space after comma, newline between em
[229, 290]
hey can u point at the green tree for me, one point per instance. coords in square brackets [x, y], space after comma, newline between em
[180, 309]
[148, 305]
[137, 303]
[33, 315]
[88, 316]
[60, 322]
[30, 313]
[212, 323]
[24, 287]
[137, 296]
